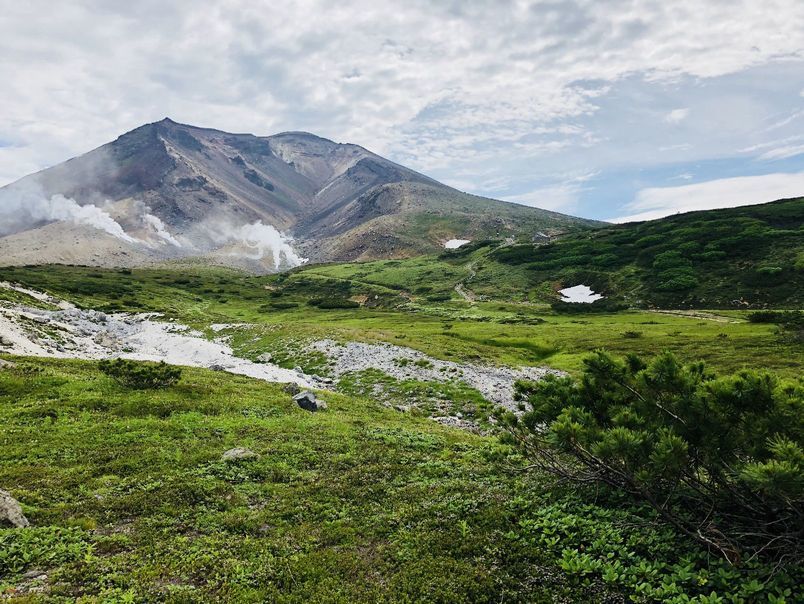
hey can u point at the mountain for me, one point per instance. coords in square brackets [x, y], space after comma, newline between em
[167, 191]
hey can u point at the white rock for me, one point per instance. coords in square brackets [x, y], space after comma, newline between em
[238, 453]
[11, 512]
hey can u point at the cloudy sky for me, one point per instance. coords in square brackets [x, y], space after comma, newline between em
[609, 109]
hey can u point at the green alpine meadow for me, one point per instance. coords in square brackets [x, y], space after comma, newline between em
[657, 459]
[375, 302]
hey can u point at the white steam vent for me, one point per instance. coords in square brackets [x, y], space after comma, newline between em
[22, 207]
[160, 230]
[254, 241]
[264, 239]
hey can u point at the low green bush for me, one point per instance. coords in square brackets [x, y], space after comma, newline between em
[721, 459]
[42, 546]
[438, 298]
[141, 375]
[789, 318]
[604, 305]
[279, 306]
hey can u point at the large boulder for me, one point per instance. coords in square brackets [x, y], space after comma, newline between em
[308, 401]
[11, 512]
[238, 453]
[7, 364]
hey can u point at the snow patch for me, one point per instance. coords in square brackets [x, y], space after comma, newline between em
[579, 294]
[454, 244]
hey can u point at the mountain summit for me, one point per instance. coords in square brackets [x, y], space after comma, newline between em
[168, 190]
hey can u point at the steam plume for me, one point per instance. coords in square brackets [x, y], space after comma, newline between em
[22, 207]
[254, 241]
[264, 239]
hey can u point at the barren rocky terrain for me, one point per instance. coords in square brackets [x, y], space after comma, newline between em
[56, 328]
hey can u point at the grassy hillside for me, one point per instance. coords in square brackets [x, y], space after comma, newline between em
[749, 257]
[397, 304]
[130, 502]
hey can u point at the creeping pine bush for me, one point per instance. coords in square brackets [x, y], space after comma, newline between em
[721, 459]
[333, 303]
[792, 317]
[139, 375]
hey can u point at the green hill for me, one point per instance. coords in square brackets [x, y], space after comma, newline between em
[748, 257]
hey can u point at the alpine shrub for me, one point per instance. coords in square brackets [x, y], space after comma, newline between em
[139, 375]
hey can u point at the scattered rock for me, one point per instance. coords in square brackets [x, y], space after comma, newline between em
[4, 341]
[238, 453]
[106, 339]
[7, 364]
[216, 367]
[291, 388]
[496, 384]
[307, 401]
[454, 422]
[11, 512]
[265, 357]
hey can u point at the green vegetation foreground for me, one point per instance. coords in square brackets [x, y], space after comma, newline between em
[130, 501]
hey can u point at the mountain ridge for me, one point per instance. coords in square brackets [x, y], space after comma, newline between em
[339, 201]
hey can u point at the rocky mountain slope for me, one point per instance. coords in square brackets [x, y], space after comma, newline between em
[167, 191]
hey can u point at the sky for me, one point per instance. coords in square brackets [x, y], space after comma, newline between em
[615, 110]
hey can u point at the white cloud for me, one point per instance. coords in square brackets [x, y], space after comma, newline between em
[782, 152]
[559, 197]
[676, 116]
[562, 196]
[656, 202]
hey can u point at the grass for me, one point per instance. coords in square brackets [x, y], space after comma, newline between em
[497, 332]
[710, 259]
[130, 502]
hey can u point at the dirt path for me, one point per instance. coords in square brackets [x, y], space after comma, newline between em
[697, 314]
[460, 288]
